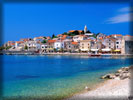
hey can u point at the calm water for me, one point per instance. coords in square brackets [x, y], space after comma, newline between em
[54, 76]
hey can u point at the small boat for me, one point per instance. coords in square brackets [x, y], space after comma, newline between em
[94, 55]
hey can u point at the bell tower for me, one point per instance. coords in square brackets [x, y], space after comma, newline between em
[85, 29]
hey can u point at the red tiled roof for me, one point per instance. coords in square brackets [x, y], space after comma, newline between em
[51, 41]
[39, 37]
[59, 35]
[12, 43]
[75, 30]
[19, 42]
[74, 43]
[116, 35]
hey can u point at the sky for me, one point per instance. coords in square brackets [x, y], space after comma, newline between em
[28, 20]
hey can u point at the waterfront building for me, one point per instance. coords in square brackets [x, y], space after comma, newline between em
[109, 42]
[70, 46]
[67, 45]
[33, 45]
[96, 46]
[50, 45]
[74, 46]
[127, 44]
[10, 43]
[85, 45]
[44, 48]
[58, 45]
[118, 44]
[19, 45]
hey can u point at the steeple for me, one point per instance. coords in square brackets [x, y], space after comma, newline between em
[85, 29]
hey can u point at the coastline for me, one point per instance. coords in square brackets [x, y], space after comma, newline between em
[63, 54]
[110, 89]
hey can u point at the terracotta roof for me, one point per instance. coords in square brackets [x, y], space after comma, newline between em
[75, 30]
[39, 37]
[59, 35]
[129, 35]
[24, 40]
[71, 30]
[108, 37]
[19, 42]
[12, 43]
[116, 35]
[74, 43]
[51, 41]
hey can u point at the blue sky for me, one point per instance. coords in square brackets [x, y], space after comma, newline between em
[23, 20]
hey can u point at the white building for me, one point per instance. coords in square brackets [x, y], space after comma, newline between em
[118, 44]
[59, 44]
[127, 45]
[33, 45]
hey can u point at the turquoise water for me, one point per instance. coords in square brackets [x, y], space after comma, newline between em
[54, 77]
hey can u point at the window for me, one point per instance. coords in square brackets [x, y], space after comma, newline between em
[117, 42]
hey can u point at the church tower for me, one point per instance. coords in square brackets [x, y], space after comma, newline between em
[85, 29]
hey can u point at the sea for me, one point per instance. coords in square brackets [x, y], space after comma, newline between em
[54, 77]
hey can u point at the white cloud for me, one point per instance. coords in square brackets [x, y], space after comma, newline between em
[125, 9]
[121, 18]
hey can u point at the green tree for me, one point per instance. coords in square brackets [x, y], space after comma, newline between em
[44, 41]
[8, 47]
[65, 33]
[26, 47]
[44, 37]
[53, 36]
[2, 48]
[76, 32]
[88, 31]
[82, 32]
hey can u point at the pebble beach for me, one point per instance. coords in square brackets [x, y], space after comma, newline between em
[112, 89]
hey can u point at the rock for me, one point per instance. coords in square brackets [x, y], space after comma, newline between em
[117, 74]
[108, 76]
[123, 69]
[119, 71]
[125, 75]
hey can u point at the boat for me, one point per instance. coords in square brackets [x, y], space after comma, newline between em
[95, 55]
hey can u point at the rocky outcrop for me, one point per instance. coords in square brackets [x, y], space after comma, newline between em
[123, 73]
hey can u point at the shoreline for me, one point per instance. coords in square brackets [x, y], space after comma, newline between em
[116, 89]
[65, 54]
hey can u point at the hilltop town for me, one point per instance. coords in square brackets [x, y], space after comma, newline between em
[73, 41]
